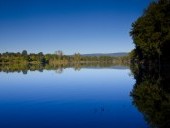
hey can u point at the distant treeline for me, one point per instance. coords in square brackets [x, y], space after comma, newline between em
[57, 58]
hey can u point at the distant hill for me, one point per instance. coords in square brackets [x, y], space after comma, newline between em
[119, 54]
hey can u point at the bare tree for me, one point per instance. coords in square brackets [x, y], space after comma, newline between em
[59, 53]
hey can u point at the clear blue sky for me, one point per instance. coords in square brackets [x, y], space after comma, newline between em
[85, 26]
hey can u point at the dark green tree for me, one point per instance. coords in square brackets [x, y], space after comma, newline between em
[151, 32]
[24, 53]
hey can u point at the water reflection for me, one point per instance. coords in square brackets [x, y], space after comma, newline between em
[151, 94]
[89, 98]
[24, 68]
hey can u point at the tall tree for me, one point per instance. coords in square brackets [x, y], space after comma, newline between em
[59, 53]
[151, 31]
[24, 53]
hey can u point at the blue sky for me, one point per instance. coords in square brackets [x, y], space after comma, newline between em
[84, 26]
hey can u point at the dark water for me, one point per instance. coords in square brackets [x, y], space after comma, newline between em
[89, 98]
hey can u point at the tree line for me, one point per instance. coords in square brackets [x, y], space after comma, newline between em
[56, 59]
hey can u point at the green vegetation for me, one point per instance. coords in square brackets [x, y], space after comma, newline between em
[150, 64]
[55, 59]
[151, 34]
[10, 62]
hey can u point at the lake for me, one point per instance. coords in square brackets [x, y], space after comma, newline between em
[69, 98]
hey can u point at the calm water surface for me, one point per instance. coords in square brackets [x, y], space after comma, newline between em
[89, 98]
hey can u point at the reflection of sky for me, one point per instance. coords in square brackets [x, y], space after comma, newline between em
[89, 98]
[93, 82]
[85, 26]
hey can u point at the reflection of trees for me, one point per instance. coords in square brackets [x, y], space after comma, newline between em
[24, 71]
[77, 66]
[17, 67]
[59, 70]
[151, 94]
